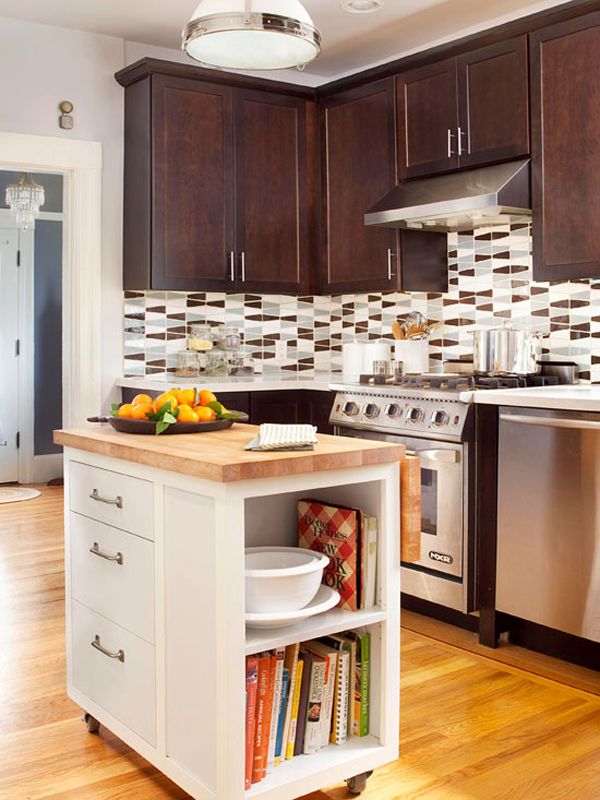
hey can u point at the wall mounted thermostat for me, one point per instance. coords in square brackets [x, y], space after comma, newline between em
[65, 120]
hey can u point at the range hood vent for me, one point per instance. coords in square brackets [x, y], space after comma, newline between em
[458, 201]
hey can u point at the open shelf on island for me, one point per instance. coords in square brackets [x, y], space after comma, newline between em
[319, 769]
[333, 621]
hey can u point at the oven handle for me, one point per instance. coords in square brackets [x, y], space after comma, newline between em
[439, 456]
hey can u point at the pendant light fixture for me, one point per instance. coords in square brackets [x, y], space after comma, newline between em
[251, 34]
[24, 199]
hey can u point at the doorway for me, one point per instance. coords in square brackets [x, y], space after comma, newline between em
[9, 334]
[31, 270]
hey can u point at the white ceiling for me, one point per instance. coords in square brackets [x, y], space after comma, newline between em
[350, 41]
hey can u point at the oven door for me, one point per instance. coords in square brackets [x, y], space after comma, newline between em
[442, 524]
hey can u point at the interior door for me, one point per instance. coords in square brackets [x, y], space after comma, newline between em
[427, 119]
[9, 293]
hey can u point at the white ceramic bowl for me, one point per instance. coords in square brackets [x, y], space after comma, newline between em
[282, 578]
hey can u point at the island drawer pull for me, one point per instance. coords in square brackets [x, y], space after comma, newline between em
[118, 501]
[119, 655]
[95, 550]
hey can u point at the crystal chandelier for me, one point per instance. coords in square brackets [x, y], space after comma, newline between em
[25, 199]
[251, 34]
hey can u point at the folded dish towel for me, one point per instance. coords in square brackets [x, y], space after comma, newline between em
[284, 437]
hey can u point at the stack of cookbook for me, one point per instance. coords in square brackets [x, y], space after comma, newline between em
[303, 697]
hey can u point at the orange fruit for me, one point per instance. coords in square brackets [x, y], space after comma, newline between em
[187, 414]
[125, 411]
[206, 397]
[165, 397]
[141, 410]
[141, 399]
[185, 396]
[205, 414]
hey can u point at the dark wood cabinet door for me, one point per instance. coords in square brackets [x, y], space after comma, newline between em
[193, 185]
[565, 105]
[272, 204]
[282, 407]
[358, 169]
[493, 103]
[427, 119]
[318, 408]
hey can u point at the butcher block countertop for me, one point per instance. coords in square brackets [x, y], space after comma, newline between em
[220, 456]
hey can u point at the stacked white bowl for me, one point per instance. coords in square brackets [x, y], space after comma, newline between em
[282, 579]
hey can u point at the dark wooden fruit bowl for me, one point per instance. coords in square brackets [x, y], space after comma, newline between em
[148, 427]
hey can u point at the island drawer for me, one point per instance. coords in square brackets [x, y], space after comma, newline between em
[112, 572]
[115, 669]
[119, 500]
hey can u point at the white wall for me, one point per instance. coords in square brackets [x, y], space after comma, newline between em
[39, 67]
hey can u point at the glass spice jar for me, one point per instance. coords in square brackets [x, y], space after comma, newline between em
[228, 338]
[216, 363]
[186, 364]
[200, 338]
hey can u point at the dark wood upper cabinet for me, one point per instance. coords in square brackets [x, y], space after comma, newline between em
[427, 113]
[193, 185]
[358, 162]
[272, 203]
[493, 103]
[464, 111]
[565, 124]
[219, 190]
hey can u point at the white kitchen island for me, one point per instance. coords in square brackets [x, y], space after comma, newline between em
[155, 534]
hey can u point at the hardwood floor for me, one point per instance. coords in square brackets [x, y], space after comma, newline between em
[473, 728]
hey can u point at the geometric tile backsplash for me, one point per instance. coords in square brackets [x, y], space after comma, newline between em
[489, 281]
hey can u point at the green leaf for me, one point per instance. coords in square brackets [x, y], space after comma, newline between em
[217, 408]
[114, 409]
[167, 420]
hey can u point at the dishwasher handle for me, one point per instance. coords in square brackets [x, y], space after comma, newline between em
[440, 456]
[551, 422]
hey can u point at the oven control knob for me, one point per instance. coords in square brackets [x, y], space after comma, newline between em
[439, 419]
[393, 410]
[350, 409]
[371, 411]
[415, 415]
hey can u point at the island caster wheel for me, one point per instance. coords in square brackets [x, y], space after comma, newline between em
[91, 723]
[358, 783]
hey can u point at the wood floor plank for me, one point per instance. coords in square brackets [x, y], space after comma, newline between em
[474, 726]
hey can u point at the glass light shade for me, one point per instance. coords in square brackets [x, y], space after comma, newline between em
[251, 34]
[24, 199]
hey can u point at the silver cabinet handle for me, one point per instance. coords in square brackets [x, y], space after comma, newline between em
[450, 150]
[232, 266]
[390, 255]
[97, 645]
[243, 258]
[118, 501]
[95, 550]
[462, 133]
[552, 422]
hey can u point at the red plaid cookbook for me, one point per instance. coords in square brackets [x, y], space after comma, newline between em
[334, 531]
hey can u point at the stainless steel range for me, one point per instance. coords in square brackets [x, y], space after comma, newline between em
[433, 417]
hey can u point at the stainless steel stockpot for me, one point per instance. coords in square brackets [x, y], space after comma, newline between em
[506, 350]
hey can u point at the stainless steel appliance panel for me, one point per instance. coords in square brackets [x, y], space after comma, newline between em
[548, 567]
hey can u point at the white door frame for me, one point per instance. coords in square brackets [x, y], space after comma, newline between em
[80, 162]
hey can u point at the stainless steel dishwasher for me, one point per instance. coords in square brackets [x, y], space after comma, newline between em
[548, 567]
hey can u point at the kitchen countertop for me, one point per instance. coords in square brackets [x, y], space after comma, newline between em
[579, 397]
[319, 382]
[220, 455]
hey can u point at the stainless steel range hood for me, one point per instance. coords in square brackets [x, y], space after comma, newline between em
[458, 201]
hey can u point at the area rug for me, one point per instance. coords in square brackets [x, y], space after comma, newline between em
[13, 494]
